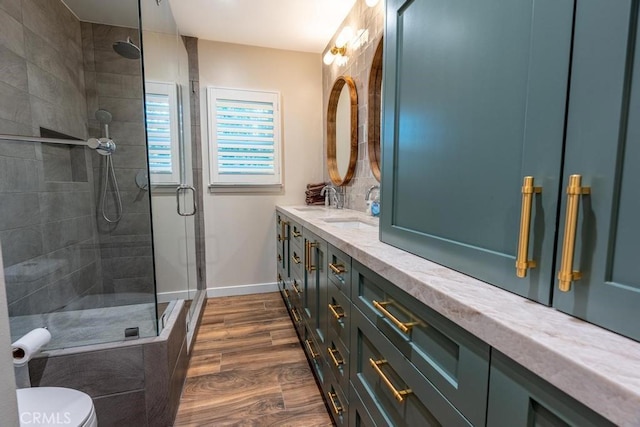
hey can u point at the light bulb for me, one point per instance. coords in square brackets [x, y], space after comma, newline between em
[344, 37]
[328, 57]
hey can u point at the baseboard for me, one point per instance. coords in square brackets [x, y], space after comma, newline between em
[227, 291]
[170, 296]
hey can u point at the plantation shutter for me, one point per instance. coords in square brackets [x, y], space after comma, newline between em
[162, 132]
[245, 137]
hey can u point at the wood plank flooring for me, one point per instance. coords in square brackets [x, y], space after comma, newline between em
[247, 369]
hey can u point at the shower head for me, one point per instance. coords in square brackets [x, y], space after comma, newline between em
[104, 117]
[127, 49]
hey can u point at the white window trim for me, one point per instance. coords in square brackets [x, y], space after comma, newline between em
[251, 182]
[171, 90]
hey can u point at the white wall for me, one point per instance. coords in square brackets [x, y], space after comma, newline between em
[240, 240]
[8, 403]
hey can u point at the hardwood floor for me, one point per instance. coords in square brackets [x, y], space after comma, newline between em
[247, 369]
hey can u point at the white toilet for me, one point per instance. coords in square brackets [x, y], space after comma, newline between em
[55, 406]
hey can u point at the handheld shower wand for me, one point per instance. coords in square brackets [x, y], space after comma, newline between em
[106, 147]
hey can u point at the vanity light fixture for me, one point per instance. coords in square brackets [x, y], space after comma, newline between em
[338, 51]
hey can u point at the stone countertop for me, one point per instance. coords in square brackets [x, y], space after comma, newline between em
[597, 367]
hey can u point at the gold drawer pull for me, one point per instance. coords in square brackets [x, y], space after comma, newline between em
[337, 268]
[279, 278]
[312, 352]
[566, 275]
[398, 394]
[523, 263]
[296, 288]
[279, 258]
[296, 317]
[336, 360]
[295, 258]
[283, 225]
[286, 293]
[296, 233]
[308, 252]
[334, 311]
[332, 398]
[404, 327]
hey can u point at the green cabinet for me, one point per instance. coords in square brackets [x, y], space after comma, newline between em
[453, 360]
[517, 397]
[478, 96]
[315, 287]
[474, 100]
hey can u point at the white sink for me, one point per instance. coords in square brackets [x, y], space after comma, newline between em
[348, 223]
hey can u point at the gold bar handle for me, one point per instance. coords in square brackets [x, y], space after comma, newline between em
[279, 278]
[332, 398]
[336, 360]
[404, 327]
[279, 258]
[523, 263]
[310, 267]
[398, 394]
[306, 255]
[334, 311]
[283, 225]
[337, 268]
[296, 233]
[286, 293]
[566, 275]
[296, 316]
[295, 258]
[312, 352]
[295, 287]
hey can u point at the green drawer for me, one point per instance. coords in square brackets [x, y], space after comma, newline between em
[337, 355]
[295, 235]
[339, 270]
[358, 414]
[336, 400]
[455, 361]
[339, 314]
[518, 397]
[391, 386]
[314, 354]
[296, 261]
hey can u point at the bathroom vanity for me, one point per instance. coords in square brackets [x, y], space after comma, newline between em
[395, 339]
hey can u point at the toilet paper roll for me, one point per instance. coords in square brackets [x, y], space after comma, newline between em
[30, 344]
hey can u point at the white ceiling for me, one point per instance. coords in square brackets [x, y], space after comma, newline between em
[302, 25]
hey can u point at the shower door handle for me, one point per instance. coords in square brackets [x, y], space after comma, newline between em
[179, 190]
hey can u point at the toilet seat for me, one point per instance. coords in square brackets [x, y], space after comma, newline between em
[51, 406]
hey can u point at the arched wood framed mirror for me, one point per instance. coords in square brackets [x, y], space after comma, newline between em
[374, 104]
[342, 131]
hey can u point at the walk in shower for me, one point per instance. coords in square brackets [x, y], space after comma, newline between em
[77, 206]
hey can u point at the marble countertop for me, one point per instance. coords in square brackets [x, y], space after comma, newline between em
[598, 368]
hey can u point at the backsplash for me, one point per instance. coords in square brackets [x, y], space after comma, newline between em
[370, 19]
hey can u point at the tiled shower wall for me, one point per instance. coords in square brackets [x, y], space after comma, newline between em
[47, 226]
[114, 84]
[370, 19]
[41, 77]
[55, 72]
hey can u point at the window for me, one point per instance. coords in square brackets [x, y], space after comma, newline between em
[161, 108]
[244, 137]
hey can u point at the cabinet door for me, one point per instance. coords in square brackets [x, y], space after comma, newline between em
[517, 397]
[603, 145]
[314, 297]
[475, 99]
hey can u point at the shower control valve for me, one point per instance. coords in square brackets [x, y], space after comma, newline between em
[104, 146]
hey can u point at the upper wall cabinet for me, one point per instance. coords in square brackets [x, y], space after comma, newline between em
[477, 100]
